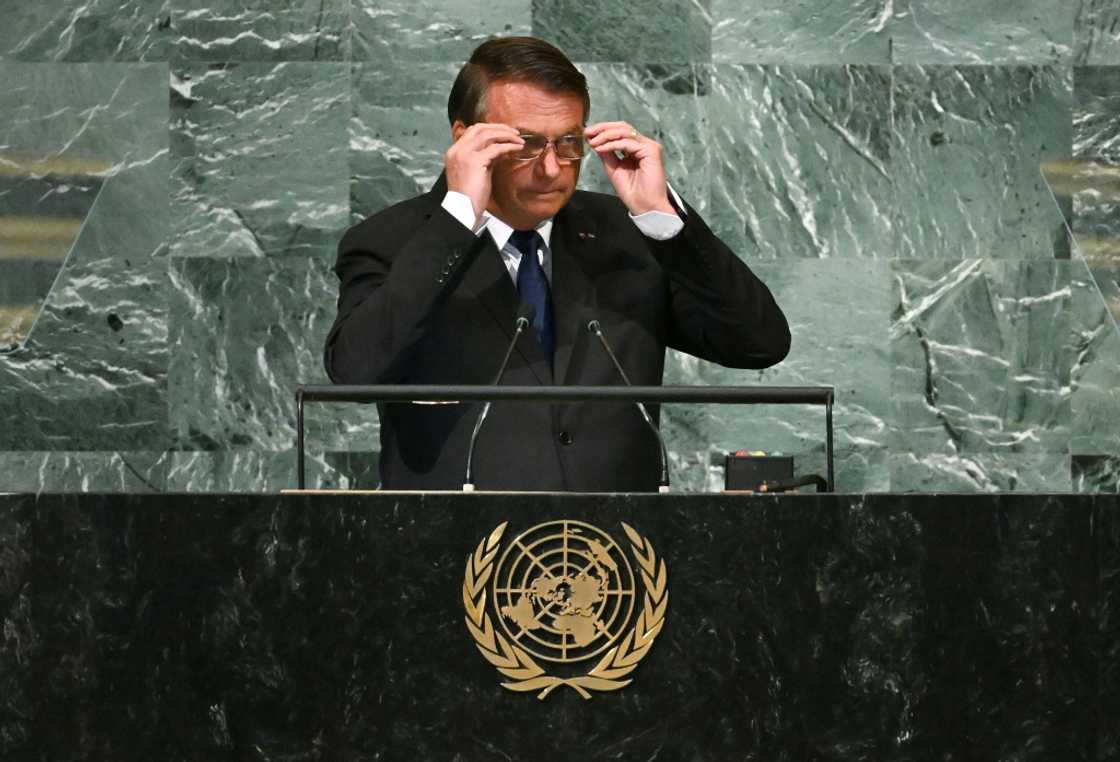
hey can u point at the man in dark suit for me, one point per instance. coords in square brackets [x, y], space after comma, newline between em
[430, 288]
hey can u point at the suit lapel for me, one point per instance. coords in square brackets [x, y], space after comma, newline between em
[573, 235]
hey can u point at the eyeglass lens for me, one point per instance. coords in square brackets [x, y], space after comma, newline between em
[568, 147]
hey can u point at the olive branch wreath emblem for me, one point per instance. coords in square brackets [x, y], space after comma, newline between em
[516, 664]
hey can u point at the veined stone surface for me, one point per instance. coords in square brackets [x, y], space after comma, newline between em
[980, 359]
[652, 31]
[398, 132]
[1097, 32]
[261, 30]
[1096, 473]
[401, 31]
[60, 471]
[982, 31]
[86, 30]
[269, 471]
[1096, 118]
[980, 472]
[838, 317]
[967, 148]
[1095, 374]
[801, 160]
[92, 374]
[246, 332]
[668, 103]
[801, 32]
[876, 141]
[259, 159]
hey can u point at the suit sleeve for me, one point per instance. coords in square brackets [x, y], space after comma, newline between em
[722, 312]
[388, 292]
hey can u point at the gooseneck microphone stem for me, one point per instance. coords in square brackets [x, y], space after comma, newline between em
[596, 329]
[523, 318]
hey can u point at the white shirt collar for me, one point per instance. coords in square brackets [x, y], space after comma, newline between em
[501, 232]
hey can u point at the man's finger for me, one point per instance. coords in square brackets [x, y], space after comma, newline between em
[595, 129]
[482, 133]
[628, 146]
[494, 150]
[615, 134]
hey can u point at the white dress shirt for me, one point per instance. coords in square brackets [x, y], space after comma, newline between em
[654, 224]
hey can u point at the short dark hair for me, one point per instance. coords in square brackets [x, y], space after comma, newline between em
[512, 59]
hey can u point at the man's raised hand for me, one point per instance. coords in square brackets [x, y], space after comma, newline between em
[639, 177]
[471, 157]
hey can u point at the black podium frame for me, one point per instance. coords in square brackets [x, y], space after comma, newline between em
[720, 395]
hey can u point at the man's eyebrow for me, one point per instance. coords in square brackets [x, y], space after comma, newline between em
[577, 130]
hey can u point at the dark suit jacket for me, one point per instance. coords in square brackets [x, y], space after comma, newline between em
[422, 300]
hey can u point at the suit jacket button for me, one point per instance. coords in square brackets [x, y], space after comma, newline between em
[439, 281]
[565, 438]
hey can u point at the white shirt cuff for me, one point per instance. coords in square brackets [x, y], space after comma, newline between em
[459, 206]
[660, 226]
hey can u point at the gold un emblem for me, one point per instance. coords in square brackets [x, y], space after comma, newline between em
[563, 593]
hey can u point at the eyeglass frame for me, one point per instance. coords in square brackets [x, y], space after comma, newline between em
[553, 142]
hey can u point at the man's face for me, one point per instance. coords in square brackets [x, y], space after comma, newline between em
[525, 193]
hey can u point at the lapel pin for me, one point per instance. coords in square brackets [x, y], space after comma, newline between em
[586, 236]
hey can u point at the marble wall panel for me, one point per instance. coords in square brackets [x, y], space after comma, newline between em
[1096, 473]
[92, 375]
[87, 30]
[1096, 113]
[668, 103]
[1097, 32]
[967, 146]
[105, 118]
[777, 31]
[980, 358]
[630, 31]
[388, 31]
[260, 30]
[269, 471]
[840, 340]
[398, 131]
[801, 160]
[59, 471]
[1095, 372]
[979, 472]
[67, 167]
[981, 32]
[259, 159]
[1096, 220]
[246, 332]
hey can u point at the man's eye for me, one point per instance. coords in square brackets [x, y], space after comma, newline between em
[569, 140]
[533, 141]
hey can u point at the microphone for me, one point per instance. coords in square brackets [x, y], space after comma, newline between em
[663, 487]
[524, 318]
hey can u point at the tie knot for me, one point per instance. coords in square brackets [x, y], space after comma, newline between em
[526, 241]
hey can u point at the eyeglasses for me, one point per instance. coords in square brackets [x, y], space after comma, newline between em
[567, 147]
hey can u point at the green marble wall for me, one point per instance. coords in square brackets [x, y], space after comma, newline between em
[175, 174]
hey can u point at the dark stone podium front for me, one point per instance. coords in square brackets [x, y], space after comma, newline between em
[331, 627]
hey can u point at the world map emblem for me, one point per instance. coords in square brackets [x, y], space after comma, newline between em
[561, 604]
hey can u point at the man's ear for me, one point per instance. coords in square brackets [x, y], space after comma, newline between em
[457, 129]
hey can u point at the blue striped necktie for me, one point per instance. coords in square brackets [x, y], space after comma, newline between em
[532, 286]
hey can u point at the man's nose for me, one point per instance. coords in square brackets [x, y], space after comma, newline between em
[547, 163]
